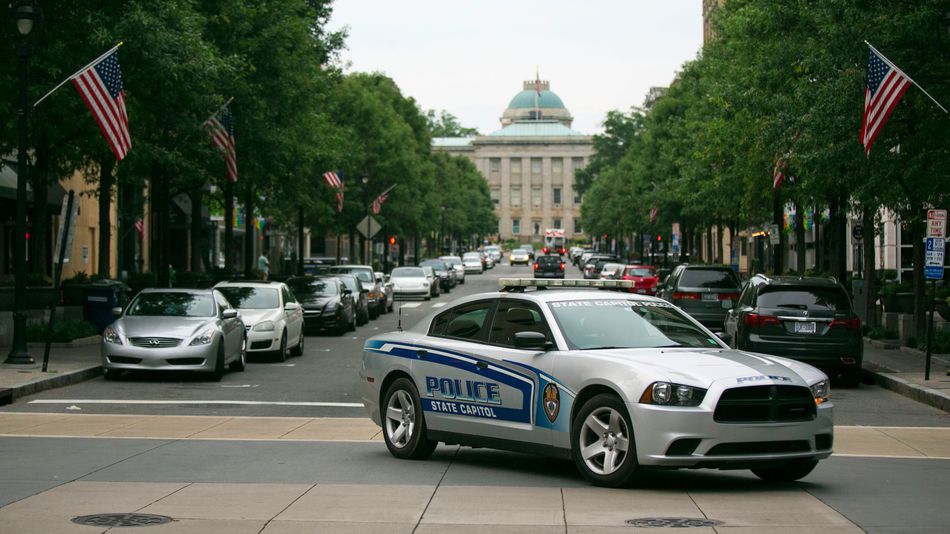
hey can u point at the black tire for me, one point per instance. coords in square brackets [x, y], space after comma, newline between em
[282, 351]
[298, 349]
[362, 318]
[402, 394]
[616, 465]
[218, 372]
[112, 374]
[351, 326]
[851, 378]
[790, 472]
[239, 364]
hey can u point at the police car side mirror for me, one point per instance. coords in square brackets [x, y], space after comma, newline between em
[531, 341]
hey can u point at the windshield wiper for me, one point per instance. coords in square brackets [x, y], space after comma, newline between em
[605, 347]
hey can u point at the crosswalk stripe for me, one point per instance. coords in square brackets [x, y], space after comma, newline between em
[411, 305]
[438, 305]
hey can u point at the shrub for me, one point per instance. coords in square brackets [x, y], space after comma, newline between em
[940, 344]
[879, 332]
[63, 331]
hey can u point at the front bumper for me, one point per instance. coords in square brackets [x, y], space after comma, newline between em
[689, 437]
[262, 341]
[180, 358]
[317, 319]
[411, 292]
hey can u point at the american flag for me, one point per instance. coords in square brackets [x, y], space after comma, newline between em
[781, 164]
[537, 83]
[100, 86]
[221, 131]
[140, 227]
[377, 205]
[335, 182]
[884, 85]
[654, 211]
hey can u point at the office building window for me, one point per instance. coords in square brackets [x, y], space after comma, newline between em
[516, 226]
[557, 165]
[577, 164]
[494, 165]
[557, 223]
[515, 166]
[536, 197]
[577, 227]
[535, 165]
[495, 195]
[577, 197]
[516, 197]
[557, 195]
[536, 226]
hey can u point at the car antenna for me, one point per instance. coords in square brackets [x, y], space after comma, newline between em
[399, 319]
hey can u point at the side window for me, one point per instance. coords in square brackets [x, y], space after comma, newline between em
[513, 316]
[222, 302]
[288, 297]
[465, 322]
[745, 299]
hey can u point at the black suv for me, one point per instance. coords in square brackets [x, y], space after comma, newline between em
[806, 319]
[705, 292]
[549, 266]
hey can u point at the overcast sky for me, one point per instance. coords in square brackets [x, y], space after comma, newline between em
[471, 57]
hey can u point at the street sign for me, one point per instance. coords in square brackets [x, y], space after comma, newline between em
[774, 237]
[368, 227]
[936, 223]
[68, 233]
[857, 231]
[934, 258]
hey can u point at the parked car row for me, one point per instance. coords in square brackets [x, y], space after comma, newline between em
[210, 330]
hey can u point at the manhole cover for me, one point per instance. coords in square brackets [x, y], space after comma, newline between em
[672, 522]
[122, 520]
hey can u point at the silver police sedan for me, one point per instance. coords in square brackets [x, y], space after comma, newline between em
[618, 382]
[175, 329]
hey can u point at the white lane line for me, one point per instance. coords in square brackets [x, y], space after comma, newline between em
[438, 304]
[200, 402]
[412, 305]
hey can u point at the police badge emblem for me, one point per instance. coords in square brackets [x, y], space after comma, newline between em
[551, 400]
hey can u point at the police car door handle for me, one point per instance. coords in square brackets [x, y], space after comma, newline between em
[481, 365]
[422, 353]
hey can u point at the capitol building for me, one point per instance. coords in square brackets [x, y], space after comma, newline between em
[529, 165]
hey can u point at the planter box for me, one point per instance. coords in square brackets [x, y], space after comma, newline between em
[899, 303]
[37, 298]
[72, 294]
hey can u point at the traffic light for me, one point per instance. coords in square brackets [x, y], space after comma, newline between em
[392, 240]
[659, 237]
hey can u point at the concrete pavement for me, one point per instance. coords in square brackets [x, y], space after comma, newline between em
[894, 368]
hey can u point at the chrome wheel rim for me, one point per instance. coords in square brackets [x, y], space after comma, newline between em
[400, 419]
[604, 441]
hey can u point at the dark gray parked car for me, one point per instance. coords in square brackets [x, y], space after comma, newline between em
[705, 292]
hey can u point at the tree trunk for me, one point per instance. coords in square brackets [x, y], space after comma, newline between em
[800, 238]
[831, 234]
[197, 236]
[719, 237]
[819, 241]
[106, 165]
[228, 227]
[300, 239]
[248, 232]
[870, 280]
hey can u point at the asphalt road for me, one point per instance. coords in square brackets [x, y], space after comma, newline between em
[324, 381]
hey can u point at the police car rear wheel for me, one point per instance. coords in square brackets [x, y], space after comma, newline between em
[790, 472]
[602, 438]
[404, 425]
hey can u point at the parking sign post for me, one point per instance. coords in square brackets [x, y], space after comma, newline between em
[933, 269]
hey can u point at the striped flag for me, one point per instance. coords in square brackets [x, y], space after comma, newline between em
[100, 85]
[221, 131]
[654, 212]
[140, 227]
[884, 85]
[335, 182]
[781, 164]
[377, 205]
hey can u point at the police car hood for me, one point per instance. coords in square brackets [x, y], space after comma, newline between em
[702, 367]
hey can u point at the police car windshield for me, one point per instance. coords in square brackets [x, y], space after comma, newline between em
[619, 324]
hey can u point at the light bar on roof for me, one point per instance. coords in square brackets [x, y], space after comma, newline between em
[566, 282]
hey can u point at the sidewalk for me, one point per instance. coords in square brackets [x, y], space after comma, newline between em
[899, 369]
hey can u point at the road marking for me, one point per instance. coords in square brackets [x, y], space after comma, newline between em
[239, 385]
[412, 305]
[201, 402]
[438, 304]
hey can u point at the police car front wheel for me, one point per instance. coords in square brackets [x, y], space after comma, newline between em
[404, 425]
[602, 442]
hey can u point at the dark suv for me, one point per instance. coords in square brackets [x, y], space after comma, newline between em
[549, 266]
[806, 319]
[705, 292]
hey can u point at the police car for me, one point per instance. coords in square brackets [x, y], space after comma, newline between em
[616, 381]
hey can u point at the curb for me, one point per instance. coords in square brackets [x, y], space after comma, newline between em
[916, 392]
[43, 384]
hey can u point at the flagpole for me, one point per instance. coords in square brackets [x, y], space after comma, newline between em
[219, 109]
[895, 67]
[91, 63]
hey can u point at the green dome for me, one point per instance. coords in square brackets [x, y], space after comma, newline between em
[525, 100]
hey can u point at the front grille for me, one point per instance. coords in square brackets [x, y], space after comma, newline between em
[759, 447]
[154, 342]
[186, 361]
[257, 345]
[765, 404]
[124, 359]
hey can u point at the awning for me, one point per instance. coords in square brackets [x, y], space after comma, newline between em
[8, 184]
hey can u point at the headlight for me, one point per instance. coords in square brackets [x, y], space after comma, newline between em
[426, 283]
[372, 294]
[821, 391]
[110, 335]
[203, 338]
[670, 394]
[264, 326]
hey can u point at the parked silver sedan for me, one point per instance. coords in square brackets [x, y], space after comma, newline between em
[175, 329]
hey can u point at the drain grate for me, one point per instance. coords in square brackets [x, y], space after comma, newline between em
[672, 522]
[122, 520]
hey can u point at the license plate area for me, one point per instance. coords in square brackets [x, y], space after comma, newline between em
[710, 297]
[805, 327]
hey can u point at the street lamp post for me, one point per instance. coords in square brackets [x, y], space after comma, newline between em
[24, 13]
[442, 234]
[369, 245]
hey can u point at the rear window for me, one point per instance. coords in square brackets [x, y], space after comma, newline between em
[805, 299]
[719, 279]
[549, 260]
[639, 271]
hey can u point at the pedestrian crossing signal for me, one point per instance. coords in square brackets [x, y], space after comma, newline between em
[392, 240]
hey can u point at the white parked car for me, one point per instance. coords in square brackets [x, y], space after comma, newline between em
[410, 282]
[618, 382]
[494, 252]
[472, 262]
[271, 314]
[456, 263]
